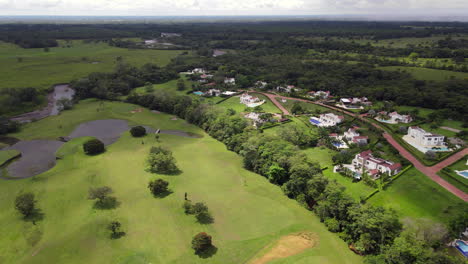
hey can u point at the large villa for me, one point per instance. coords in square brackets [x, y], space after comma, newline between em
[250, 101]
[354, 103]
[425, 141]
[393, 118]
[352, 136]
[365, 162]
[326, 120]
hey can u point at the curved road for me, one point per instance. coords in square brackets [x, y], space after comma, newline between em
[431, 172]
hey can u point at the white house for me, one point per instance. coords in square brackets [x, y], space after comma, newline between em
[419, 136]
[395, 117]
[250, 101]
[366, 162]
[327, 120]
[228, 93]
[213, 92]
[261, 84]
[351, 135]
[319, 94]
[198, 71]
[170, 35]
[354, 103]
[230, 81]
[150, 42]
[286, 89]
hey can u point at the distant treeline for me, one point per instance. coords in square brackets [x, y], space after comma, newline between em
[45, 35]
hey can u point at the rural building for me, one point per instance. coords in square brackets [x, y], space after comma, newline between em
[230, 81]
[250, 101]
[366, 162]
[393, 118]
[327, 120]
[354, 103]
[319, 94]
[425, 139]
[170, 35]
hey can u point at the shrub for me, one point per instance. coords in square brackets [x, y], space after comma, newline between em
[201, 242]
[25, 204]
[138, 131]
[101, 195]
[161, 160]
[93, 147]
[158, 187]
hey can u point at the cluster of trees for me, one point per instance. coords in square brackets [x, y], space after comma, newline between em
[121, 81]
[102, 197]
[17, 99]
[7, 126]
[160, 160]
[200, 210]
[369, 229]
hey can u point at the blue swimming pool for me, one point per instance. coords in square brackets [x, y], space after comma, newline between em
[314, 121]
[463, 173]
[463, 247]
[198, 93]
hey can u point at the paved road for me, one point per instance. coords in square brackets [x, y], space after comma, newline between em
[431, 172]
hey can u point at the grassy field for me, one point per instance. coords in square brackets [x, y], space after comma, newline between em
[428, 74]
[249, 212]
[415, 195]
[6, 155]
[62, 64]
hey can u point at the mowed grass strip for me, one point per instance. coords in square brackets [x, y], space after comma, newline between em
[40, 69]
[414, 195]
[249, 212]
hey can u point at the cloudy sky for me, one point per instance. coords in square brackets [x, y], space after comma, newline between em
[232, 7]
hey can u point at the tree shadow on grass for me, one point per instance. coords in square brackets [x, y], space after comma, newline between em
[162, 195]
[107, 203]
[117, 235]
[35, 216]
[207, 253]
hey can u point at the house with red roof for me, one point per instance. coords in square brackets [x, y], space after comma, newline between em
[366, 162]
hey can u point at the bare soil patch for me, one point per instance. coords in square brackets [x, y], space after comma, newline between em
[287, 246]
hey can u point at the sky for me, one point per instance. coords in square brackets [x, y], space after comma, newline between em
[232, 7]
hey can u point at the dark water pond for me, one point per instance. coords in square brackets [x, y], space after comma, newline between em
[37, 156]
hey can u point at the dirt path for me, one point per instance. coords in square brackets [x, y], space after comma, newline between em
[450, 129]
[431, 172]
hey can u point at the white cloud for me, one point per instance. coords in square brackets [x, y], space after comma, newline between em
[223, 7]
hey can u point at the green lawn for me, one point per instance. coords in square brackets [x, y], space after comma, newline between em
[428, 74]
[234, 103]
[6, 155]
[452, 177]
[414, 195]
[313, 108]
[62, 64]
[249, 212]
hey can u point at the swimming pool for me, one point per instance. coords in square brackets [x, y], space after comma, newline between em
[314, 121]
[462, 247]
[198, 93]
[463, 173]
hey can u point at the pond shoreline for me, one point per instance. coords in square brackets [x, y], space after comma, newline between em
[60, 91]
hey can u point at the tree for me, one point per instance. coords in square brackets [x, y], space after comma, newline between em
[297, 108]
[430, 155]
[25, 204]
[180, 85]
[158, 187]
[161, 160]
[93, 147]
[201, 213]
[114, 227]
[277, 175]
[64, 104]
[138, 131]
[201, 242]
[101, 195]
